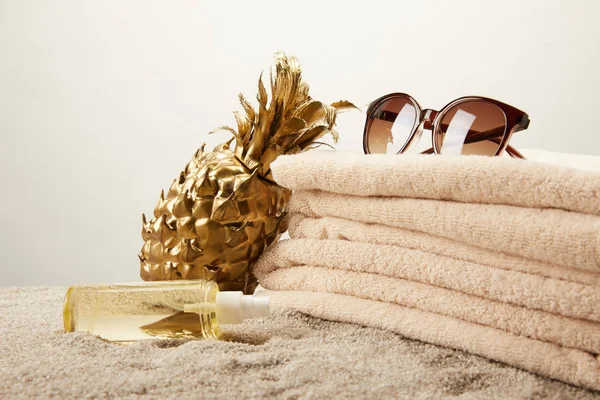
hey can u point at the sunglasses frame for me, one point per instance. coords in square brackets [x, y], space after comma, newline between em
[516, 120]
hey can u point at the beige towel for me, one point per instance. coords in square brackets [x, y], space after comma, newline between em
[549, 235]
[568, 365]
[432, 283]
[418, 254]
[469, 179]
[301, 226]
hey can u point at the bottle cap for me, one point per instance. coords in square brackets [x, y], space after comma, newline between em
[235, 307]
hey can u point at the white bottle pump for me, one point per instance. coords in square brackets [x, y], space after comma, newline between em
[233, 307]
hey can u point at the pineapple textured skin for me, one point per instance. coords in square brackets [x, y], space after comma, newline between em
[225, 209]
[214, 223]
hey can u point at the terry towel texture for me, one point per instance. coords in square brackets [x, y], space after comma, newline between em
[568, 365]
[301, 226]
[444, 286]
[472, 179]
[548, 235]
[494, 256]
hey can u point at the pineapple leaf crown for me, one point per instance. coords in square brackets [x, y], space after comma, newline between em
[291, 122]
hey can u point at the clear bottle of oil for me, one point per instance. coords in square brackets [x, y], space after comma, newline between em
[130, 312]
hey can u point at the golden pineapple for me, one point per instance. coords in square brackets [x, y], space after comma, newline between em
[224, 209]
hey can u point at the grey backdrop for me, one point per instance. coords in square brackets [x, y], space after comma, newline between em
[103, 102]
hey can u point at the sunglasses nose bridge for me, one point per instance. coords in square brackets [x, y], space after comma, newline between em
[427, 117]
[425, 122]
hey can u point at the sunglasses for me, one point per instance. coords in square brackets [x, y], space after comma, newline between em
[468, 125]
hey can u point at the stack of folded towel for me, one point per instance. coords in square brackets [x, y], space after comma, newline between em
[494, 256]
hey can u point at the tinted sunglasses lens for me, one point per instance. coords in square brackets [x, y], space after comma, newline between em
[472, 127]
[390, 125]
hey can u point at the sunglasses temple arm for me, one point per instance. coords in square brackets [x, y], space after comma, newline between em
[509, 149]
[514, 153]
[490, 135]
